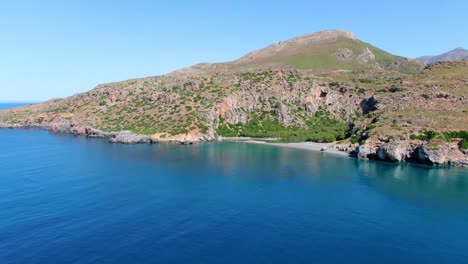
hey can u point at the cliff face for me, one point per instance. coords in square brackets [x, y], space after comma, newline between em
[190, 108]
[433, 153]
[365, 100]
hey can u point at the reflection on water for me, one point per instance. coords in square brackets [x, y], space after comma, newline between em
[437, 184]
[443, 185]
[62, 195]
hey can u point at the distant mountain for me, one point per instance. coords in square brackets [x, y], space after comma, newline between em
[453, 55]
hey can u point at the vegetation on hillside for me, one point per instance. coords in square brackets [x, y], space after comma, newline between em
[319, 128]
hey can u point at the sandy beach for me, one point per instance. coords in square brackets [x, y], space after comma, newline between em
[313, 146]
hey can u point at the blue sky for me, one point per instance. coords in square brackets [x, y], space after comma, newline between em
[52, 49]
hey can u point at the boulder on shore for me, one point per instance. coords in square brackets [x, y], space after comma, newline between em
[128, 137]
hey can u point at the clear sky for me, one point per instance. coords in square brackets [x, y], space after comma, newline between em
[54, 49]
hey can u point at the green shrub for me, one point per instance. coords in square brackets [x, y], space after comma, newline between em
[365, 81]
[320, 128]
[203, 128]
[456, 134]
[464, 143]
[426, 135]
[354, 139]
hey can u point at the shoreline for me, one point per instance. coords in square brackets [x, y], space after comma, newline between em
[419, 153]
[311, 146]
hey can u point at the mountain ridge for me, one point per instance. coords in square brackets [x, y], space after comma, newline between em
[324, 50]
[452, 55]
[297, 42]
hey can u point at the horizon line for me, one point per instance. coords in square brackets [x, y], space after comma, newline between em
[21, 101]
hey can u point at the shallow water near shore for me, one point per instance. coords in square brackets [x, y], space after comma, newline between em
[70, 199]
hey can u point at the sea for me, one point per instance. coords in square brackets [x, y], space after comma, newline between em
[10, 105]
[71, 199]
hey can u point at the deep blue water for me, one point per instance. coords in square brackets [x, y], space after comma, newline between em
[12, 105]
[68, 199]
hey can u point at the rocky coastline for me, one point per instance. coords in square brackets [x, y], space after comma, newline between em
[421, 152]
[429, 153]
[123, 137]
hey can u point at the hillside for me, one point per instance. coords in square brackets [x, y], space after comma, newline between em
[321, 52]
[453, 55]
[327, 50]
[324, 87]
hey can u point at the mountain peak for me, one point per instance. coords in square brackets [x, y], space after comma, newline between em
[460, 49]
[453, 55]
[328, 34]
[325, 50]
[295, 44]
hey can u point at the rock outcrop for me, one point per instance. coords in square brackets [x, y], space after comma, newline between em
[283, 115]
[366, 56]
[393, 152]
[127, 137]
[344, 54]
[442, 153]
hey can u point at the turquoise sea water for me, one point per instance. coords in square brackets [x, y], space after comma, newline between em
[68, 199]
